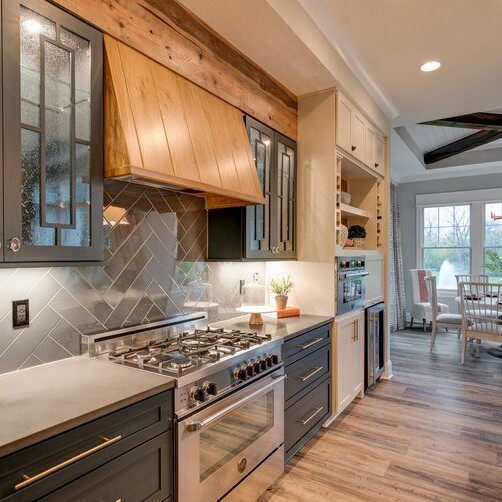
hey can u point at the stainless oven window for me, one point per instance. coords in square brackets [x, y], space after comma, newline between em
[352, 290]
[232, 434]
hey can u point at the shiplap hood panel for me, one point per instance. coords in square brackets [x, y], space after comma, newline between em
[163, 130]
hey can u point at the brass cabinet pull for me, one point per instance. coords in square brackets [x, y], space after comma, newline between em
[31, 479]
[316, 411]
[353, 147]
[312, 342]
[312, 373]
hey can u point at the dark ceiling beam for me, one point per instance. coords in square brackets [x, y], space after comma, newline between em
[461, 145]
[484, 121]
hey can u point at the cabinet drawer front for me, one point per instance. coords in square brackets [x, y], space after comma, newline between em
[61, 459]
[307, 343]
[143, 473]
[306, 370]
[306, 414]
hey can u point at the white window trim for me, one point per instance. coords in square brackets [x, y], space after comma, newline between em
[476, 199]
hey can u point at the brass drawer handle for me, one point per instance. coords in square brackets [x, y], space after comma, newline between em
[317, 410]
[312, 342]
[31, 479]
[312, 373]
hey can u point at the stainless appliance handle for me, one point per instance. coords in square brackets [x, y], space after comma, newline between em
[196, 426]
[316, 411]
[312, 342]
[351, 275]
[311, 374]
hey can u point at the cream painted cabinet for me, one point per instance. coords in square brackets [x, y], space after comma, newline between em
[348, 355]
[374, 150]
[350, 128]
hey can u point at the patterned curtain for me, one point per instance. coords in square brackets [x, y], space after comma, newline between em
[396, 280]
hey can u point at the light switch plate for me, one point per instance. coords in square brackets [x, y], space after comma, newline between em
[20, 313]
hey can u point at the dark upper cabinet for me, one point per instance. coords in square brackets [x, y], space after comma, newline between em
[261, 232]
[52, 135]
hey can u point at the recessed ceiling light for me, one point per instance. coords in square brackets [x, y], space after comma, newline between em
[430, 66]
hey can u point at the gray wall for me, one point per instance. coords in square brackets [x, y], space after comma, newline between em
[406, 195]
[152, 253]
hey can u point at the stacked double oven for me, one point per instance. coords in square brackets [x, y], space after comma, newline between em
[228, 402]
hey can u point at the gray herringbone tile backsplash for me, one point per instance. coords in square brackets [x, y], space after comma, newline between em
[155, 244]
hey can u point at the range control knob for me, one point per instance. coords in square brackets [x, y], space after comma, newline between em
[211, 388]
[242, 373]
[275, 359]
[270, 361]
[250, 370]
[263, 364]
[257, 367]
[199, 394]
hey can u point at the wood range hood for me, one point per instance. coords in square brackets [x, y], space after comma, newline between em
[162, 130]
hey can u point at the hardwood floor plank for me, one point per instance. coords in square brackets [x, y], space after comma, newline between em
[433, 432]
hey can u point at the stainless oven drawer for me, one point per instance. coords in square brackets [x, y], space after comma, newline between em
[306, 370]
[223, 443]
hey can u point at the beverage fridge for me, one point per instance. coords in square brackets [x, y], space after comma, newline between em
[374, 344]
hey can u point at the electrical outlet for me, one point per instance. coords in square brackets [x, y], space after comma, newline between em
[20, 313]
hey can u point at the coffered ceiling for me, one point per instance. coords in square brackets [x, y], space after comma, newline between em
[383, 43]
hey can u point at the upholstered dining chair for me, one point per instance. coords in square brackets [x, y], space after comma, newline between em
[481, 307]
[442, 320]
[421, 307]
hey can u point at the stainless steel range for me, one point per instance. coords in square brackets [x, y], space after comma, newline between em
[228, 401]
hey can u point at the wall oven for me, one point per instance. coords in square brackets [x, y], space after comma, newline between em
[221, 446]
[351, 290]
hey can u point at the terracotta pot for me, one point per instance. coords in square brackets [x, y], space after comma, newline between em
[281, 302]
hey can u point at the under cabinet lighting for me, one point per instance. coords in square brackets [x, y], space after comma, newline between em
[431, 66]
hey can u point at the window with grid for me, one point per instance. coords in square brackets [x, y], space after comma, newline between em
[493, 240]
[446, 242]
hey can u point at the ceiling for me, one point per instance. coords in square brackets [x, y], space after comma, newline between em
[383, 43]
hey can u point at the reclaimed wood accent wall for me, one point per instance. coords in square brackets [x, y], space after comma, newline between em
[171, 35]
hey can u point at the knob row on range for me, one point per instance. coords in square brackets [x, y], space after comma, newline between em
[256, 367]
[202, 393]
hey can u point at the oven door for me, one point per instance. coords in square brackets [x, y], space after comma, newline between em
[351, 294]
[223, 443]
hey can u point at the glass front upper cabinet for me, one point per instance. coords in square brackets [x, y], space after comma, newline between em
[53, 135]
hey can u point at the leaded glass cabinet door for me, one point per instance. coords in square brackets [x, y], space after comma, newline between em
[259, 217]
[285, 215]
[53, 135]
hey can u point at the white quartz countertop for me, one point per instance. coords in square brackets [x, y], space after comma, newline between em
[39, 402]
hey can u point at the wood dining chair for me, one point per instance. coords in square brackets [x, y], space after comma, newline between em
[481, 307]
[439, 319]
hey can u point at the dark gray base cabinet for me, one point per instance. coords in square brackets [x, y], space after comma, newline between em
[307, 388]
[141, 474]
[133, 461]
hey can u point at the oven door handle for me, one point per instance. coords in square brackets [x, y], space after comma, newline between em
[196, 426]
[352, 275]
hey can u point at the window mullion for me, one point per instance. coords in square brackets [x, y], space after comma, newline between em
[477, 237]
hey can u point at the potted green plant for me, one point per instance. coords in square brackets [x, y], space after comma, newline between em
[281, 287]
[357, 233]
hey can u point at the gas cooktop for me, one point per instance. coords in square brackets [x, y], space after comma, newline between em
[189, 351]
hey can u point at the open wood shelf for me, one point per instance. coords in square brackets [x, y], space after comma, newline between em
[354, 211]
